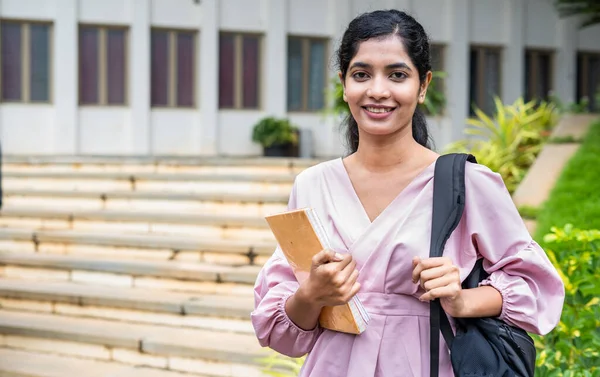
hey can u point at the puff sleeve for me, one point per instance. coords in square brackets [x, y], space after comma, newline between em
[274, 285]
[532, 291]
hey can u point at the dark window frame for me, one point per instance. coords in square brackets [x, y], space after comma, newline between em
[25, 60]
[480, 96]
[238, 75]
[172, 74]
[305, 76]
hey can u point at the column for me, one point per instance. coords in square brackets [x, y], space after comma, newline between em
[65, 78]
[513, 54]
[275, 69]
[458, 66]
[565, 80]
[208, 85]
[139, 78]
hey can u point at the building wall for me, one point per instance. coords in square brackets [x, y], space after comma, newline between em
[65, 127]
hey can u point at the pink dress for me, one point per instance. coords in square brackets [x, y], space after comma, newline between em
[396, 342]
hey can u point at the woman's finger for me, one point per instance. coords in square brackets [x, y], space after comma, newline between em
[439, 282]
[446, 291]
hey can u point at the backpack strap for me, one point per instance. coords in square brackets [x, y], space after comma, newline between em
[448, 206]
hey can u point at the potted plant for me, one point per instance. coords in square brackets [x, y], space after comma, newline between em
[277, 136]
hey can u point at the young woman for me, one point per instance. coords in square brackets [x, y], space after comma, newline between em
[376, 205]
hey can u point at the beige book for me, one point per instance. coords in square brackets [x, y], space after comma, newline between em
[300, 236]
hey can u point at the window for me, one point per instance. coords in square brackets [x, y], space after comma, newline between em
[239, 71]
[538, 74]
[306, 74]
[485, 78]
[25, 61]
[102, 65]
[173, 68]
[588, 79]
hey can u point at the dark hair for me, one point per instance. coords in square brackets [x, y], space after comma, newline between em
[379, 24]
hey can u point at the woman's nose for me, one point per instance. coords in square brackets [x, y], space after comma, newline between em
[378, 89]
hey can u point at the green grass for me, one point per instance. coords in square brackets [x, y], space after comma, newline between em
[529, 212]
[575, 198]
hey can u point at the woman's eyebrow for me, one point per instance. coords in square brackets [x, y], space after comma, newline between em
[389, 66]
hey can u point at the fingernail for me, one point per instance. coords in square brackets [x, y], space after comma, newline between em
[339, 256]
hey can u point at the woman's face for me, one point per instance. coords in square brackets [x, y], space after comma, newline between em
[382, 86]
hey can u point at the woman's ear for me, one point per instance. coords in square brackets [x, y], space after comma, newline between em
[424, 86]
[343, 86]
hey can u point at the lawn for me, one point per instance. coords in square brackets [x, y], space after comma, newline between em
[575, 198]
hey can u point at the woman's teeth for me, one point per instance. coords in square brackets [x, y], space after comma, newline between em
[378, 110]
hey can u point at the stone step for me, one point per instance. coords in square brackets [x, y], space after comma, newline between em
[185, 185]
[18, 363]
[132, 246]
[233, 204]
[221, 226]
[78, 162]
[139, 177]
[153, 345]
[125, 273]
[69, 298]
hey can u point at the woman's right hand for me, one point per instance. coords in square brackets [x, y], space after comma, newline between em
[332, 279]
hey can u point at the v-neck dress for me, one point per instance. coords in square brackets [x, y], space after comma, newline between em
[396, 342]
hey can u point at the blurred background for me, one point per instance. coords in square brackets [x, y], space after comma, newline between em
[144, 141]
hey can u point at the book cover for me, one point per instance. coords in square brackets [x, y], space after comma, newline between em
[300, 236]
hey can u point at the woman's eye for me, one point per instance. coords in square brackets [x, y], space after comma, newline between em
[360, 75]
[398, 75]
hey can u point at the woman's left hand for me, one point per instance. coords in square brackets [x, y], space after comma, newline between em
[440, 278]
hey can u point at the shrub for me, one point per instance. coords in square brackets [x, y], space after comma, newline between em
[271, 131]
[508, 142]
[573, 348]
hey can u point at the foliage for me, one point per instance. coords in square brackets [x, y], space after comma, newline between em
[435, 99]
[434, 104]
[528, 212]
[564, 140]
[588, 9]
[273, 131]
[580, 107]
[509, 142]
[575, 196]
[277, 365]
[573, 347]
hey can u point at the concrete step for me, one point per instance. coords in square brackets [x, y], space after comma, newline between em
[151, 345]
[125, 273]
[18, 363]
[177, 162]
[132, 246]
[222, 226]
[234, 204]
[61, 181]
[138, 305]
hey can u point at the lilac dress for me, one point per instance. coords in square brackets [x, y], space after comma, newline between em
[396, 342]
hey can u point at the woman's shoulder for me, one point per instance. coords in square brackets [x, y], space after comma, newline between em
[483, 179]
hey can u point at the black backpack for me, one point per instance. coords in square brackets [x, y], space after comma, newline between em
[482, 346]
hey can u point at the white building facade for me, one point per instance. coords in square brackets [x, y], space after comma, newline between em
[180, 77]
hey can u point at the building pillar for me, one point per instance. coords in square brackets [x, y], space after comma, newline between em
[513, 67]
[458, 62]
[65, 79]
[566, 60]
[139, 78]
[208, 79]
[275, 68]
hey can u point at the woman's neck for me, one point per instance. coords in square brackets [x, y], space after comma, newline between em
[380, 154]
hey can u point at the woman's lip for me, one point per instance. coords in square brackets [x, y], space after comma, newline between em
[379, 115]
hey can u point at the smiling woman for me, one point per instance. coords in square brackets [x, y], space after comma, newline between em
[376, 204]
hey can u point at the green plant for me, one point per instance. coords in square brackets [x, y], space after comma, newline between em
[271, 131]
[573, 347]
[528, 212]
[574, 198]
[435, 100]
[277, 365]
[563, 140]
[508, 142]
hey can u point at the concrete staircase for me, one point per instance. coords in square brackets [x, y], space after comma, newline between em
[134, 267]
